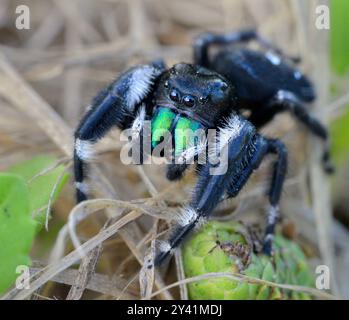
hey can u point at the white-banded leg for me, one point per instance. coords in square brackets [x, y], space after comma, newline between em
[115, 106]
[289, 101]
[279, 173]
[236, 135]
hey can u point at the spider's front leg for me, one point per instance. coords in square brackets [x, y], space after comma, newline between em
[120, 105]
[244, 149]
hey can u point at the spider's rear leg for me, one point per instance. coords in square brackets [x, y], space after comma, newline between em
[285, 100]
[203, 42]
[279, 173]
[116, 106]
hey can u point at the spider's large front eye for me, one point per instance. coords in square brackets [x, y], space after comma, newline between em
[174, 95]
[189, 101]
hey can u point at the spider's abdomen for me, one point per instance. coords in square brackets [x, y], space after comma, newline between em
[166, 124]
[258, 76]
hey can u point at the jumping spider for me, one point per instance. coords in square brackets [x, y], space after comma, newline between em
[211, 93]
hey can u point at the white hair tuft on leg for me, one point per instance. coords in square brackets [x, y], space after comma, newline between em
[84, 149]
[140, 83]
[138, 124]
[187, 216]
[164, 246]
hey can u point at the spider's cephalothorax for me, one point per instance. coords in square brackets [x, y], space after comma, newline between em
[206, 95]
[188, 98]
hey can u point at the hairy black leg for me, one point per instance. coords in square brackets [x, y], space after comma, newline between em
[263, 147]
[279, 173]
[175, 171]
[116, 106]
[210, 189]
[264, 114]
[238, 144]
[203, 42]
[287, 100]
[254, 158]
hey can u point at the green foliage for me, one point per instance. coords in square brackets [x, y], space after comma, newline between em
[201, 255]
[17, 228]
[41, 187]
[339, 47]
[339, 36]
[23, 194]
[340, 138]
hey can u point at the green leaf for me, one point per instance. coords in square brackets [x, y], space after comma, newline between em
[340, 138]
[339, 36]
[17, 228]
[41, 187]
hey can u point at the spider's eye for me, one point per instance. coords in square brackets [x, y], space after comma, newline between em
[174, 95]
[166, 85]
[189, 101]
[203, 100]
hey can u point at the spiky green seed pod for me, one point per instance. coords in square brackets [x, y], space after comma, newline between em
[226, 247]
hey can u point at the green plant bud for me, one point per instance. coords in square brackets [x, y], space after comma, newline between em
[227, 247]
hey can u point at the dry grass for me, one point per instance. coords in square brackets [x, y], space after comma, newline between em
[49, 74]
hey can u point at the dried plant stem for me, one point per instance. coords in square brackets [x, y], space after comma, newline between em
[183, 290]
[336, 108]
[63, 161]
[18, 92]
[320, 191]
[77, 58]
[86, 270]
[98, 283]
[52, 270]
[52, 194]
[242, 278]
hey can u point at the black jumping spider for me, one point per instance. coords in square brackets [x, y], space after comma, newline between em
[211, 93]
